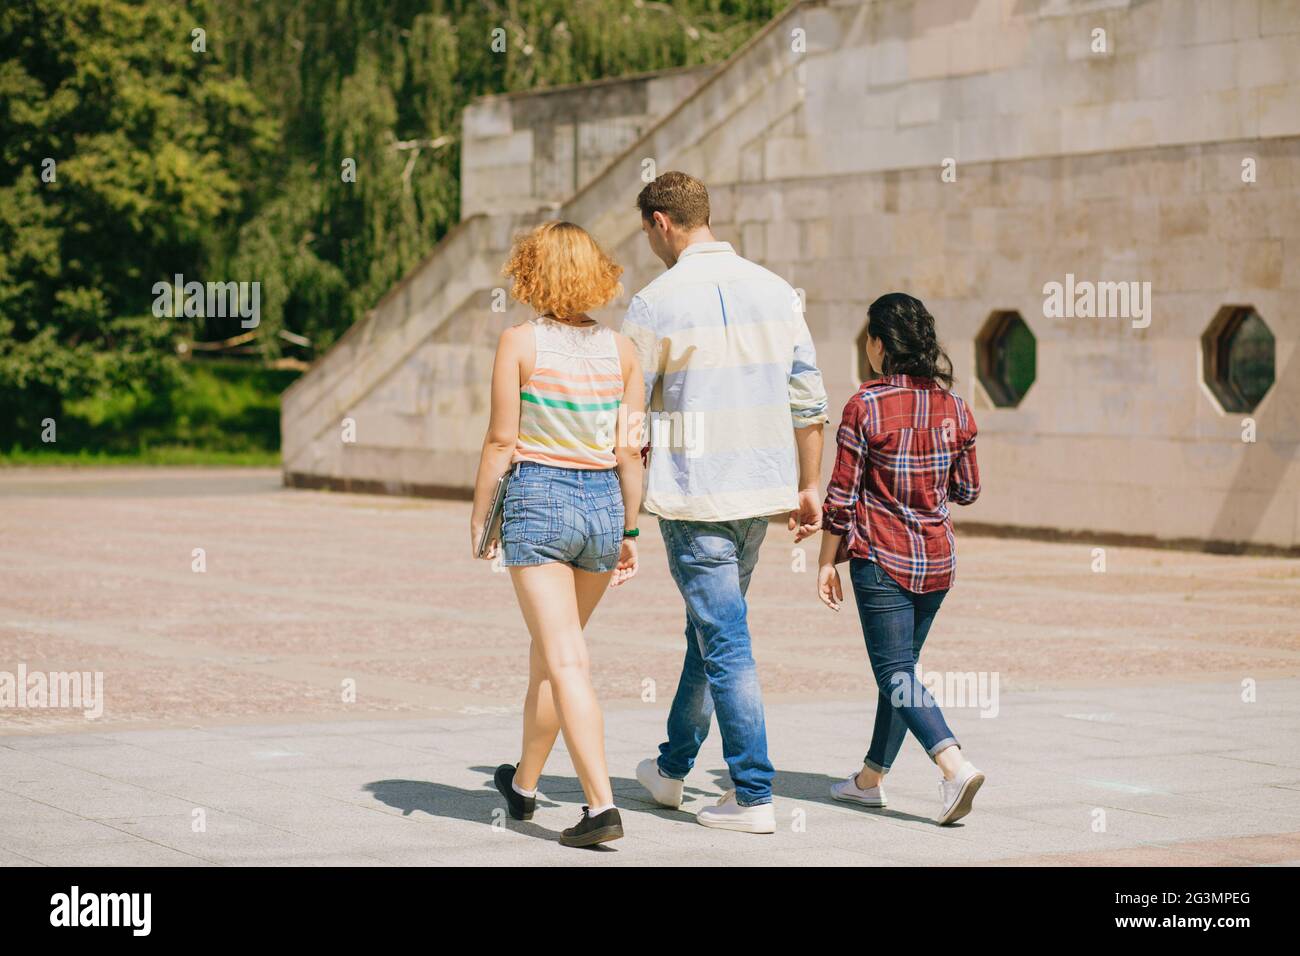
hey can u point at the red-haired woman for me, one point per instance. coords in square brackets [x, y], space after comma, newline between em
[564, 389]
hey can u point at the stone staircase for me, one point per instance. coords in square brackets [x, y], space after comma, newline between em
[400, 403]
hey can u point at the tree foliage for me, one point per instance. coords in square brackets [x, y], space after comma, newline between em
[224, 163]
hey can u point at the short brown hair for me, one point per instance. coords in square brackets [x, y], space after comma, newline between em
[680, 197]
[559, 270]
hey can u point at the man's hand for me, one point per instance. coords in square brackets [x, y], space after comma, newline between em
[806, 521]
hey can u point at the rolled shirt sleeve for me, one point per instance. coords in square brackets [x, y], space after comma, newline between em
[846, 478]
[807, 391]
[964, 478]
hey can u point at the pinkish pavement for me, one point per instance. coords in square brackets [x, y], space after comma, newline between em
[1116, 727]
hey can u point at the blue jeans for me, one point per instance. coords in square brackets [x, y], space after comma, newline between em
[895, 622]
[712, 561]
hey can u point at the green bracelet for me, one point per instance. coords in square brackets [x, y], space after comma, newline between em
[631, 532]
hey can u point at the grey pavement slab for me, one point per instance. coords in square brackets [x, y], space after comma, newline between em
[1178, 772]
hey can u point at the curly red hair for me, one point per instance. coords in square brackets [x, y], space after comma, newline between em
[559, 270]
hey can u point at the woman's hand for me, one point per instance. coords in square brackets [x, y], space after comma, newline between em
[625, 570]
[828, 586]
[475, 533]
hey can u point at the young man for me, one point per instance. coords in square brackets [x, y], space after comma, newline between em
[737, 406]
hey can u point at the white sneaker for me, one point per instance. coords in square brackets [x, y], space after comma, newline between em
[664, 791]
[729, 815]
[958, 794]
[847, 790]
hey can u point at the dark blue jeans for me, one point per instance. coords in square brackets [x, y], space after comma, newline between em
[711, 562]
[895, 622]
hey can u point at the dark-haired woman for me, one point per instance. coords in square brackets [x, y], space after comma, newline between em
[906, 449]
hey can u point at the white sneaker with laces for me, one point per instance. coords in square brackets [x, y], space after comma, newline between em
[665, 791]
[847, 790]
[730, 815]
[957, 794]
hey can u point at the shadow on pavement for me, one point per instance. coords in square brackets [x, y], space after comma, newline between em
[816, 788]
[478, 805]
[455, 803]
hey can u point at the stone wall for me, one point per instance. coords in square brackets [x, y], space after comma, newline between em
[524, 151]
[823, 142]
[1118, 433]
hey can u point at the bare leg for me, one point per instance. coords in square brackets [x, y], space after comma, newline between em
[548, 598]
[589, 588]
[949, 760]
[541, 721]
[868, 778]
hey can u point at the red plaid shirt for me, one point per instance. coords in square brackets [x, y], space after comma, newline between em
[906, 448]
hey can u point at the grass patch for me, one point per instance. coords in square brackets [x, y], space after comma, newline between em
[163, 455]
[217, 413]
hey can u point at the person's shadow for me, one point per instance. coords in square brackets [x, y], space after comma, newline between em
[476, 805]
[816, 788]
[456, 803]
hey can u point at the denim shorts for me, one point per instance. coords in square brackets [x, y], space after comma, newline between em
[567, 515]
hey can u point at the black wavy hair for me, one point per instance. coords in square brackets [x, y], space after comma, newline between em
[906, 328]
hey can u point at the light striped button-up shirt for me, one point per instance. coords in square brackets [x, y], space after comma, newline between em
[730, 372]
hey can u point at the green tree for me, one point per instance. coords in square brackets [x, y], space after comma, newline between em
[224, 164]
[125, 154]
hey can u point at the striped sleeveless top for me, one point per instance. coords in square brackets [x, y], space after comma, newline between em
[568, 408]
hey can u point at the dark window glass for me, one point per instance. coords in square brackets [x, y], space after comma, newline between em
[1006, 358]
[1250, 360]
[1239, 358]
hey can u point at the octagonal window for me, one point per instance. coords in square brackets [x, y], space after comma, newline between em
[1006, 358]
[1238, 358]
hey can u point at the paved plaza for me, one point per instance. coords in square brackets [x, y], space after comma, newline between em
[337, 682]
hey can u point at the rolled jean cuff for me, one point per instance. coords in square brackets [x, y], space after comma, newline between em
[943, 745]
[872, 765]
[664, 773]
[756, 803]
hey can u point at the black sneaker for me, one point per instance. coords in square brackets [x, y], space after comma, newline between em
[592, 830]
[521, 807]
